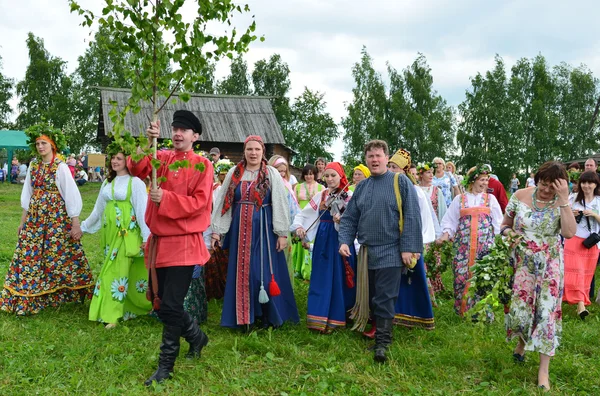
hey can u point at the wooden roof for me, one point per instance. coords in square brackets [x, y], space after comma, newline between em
[224, 118]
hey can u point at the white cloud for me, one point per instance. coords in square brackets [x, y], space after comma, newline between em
[322, 39]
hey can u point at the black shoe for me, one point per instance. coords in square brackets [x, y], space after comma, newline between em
[169, 349]
[519, 358]
[194, 336]
[383, 338]
[583, 314]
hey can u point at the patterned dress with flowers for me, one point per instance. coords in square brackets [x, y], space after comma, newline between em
[473, 240]
[535, 312]
[49, 267]
[120, 291]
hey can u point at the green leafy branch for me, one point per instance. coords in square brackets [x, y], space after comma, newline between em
[160, 68]
[492, 277]
[439, 258]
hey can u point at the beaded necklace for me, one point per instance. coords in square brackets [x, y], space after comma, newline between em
[547, 204]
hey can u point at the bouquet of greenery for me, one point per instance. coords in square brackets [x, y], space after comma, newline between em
[438, 258]
[493, 277]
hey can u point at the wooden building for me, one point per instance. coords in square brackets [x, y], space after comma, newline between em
[226, 121]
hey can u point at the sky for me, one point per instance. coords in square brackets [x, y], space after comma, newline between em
[321, 40]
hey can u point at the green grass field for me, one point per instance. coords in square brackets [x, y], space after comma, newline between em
[60, 352]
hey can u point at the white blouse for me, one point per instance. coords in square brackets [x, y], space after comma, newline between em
[279, 198]
[138, 199]
[582, 227]
[427, 216]
[66, 187]
[452, 216]
[309, 215]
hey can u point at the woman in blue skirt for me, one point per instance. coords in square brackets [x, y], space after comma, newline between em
[252, 212]
[331, 293]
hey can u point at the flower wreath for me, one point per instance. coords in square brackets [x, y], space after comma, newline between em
[223, 166]
[425, 166]
[574, 176]
[34, 132]
[479, 170]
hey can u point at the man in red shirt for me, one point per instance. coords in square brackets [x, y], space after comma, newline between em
[177, 214]
[497, 189]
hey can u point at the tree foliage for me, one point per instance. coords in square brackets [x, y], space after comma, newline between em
[367, 112]
[99, 66]
[272, 78]
[166, 53]
[537, 114]
[312, 129]
[238, 80]
[6, 87]
[45, 92]
[410, 115]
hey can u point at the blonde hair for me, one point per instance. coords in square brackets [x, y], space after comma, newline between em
[280, 161]
[439, 159]
[452, 165]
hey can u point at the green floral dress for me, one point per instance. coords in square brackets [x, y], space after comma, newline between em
[535, 309]
[120, 291]
[48, 267]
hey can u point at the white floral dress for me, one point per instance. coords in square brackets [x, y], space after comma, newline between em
[535, 309]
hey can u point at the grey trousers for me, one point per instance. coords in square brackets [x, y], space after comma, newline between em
[384, 286]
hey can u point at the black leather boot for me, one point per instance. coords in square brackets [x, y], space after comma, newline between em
[169, 349]
[383, 338]
[194, 336]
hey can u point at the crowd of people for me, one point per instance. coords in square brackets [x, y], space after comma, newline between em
[242, 232]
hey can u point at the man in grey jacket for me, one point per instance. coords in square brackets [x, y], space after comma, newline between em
[373, 217]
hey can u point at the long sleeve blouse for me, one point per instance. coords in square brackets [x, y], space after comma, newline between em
[138, 199]
[66, 187]
[279, 197]
[307, 216]
[427, 225]
[452, 216]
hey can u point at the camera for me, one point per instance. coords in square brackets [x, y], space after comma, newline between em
[579, 217]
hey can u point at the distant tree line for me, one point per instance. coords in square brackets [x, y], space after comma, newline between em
[513, 119]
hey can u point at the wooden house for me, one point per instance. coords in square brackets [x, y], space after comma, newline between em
[226, 121]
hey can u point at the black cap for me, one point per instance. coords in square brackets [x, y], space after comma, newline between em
[186, 119]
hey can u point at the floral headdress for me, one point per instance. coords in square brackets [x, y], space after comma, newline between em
[125, 144]
[223, 165]
[574, 175]
[425, 166]
[473, 175]
[37, 131]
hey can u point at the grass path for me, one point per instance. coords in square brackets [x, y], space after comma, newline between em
[60, 352]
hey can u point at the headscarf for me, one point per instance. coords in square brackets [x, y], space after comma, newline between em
[363, 169]
[336, 166]
[46, 138]
[258, 189]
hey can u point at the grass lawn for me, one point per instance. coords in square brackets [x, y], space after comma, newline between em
[60, 352]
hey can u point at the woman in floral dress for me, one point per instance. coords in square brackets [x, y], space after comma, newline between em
[538, 216]
[445, 181]
[120, 291]
[472, 220]
[48, 267]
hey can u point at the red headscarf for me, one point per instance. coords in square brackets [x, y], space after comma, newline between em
[336, 166]
[259, 189]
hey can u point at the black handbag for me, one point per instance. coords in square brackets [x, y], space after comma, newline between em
[593, 238]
